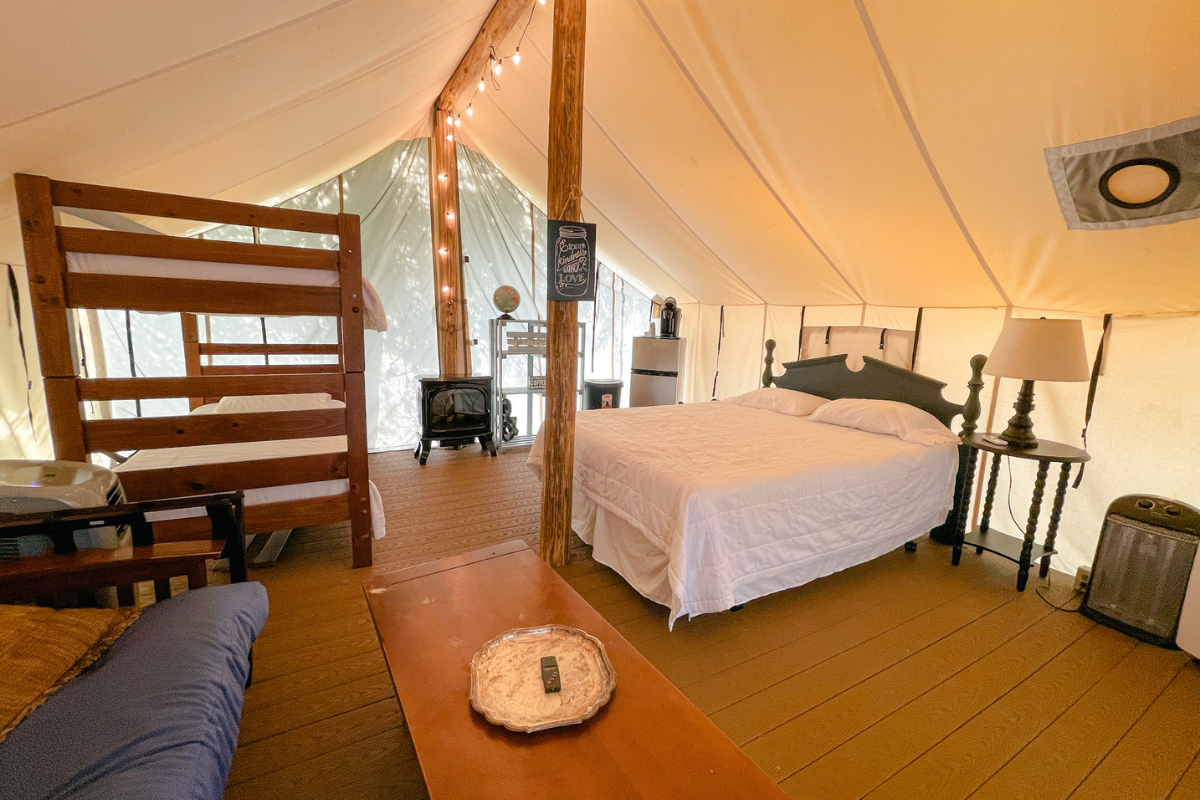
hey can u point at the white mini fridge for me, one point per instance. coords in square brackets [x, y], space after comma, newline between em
[655, 372]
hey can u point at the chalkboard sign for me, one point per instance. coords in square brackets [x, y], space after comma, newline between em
[572, 261]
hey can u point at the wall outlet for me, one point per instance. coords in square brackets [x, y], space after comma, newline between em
[1082, 576]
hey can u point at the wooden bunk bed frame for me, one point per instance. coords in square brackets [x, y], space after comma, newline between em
[55, 291]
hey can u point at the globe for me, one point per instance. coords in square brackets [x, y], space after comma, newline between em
[506, 299]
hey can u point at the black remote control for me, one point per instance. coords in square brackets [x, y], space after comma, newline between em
[550, 675]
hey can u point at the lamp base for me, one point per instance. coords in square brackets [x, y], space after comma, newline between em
[1019, 432]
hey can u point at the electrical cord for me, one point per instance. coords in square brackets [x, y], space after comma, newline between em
[1049, 585]
[1049, 577]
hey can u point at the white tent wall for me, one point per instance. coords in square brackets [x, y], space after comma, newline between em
[24, 427]
[1142, 432]
[389, 191]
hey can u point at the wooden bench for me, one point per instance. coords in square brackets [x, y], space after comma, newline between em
[70, 570]
[649, 741]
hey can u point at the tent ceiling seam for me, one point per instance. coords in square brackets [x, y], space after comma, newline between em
[654, 190]
[906, 113]
[637, 246]
[738, 145]
[186, 62]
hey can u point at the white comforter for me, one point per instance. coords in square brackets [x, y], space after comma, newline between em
[741, 502]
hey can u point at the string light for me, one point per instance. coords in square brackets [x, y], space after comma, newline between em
[496, 64]
[445, 289]
[442, 251]
[449, 137]
[442, 177]
[449, 119]
[450, 215]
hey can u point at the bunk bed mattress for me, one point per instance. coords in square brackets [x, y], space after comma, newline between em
[254, 451]
[708, 505]
[374, 317]
[156, 718]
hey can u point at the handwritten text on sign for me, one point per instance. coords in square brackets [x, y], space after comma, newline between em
[572, 261]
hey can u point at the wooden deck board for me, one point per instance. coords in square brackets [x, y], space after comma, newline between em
[903, 677]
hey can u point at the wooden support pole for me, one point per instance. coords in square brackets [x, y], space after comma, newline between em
[565, 201]
[454, 356]
[454, 353]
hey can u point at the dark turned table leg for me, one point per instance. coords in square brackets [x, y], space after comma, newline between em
[1060, 496]
[986, 520]
[1035, 508]
[964, 500]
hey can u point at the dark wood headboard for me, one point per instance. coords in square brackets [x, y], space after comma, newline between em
[831, 378]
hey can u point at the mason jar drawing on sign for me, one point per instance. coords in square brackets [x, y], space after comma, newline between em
[572, 271]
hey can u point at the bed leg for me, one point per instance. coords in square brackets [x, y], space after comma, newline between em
[910, 547]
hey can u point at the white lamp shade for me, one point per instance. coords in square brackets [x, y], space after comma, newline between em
[1040, 350]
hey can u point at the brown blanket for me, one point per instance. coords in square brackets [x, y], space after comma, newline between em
[42, 649]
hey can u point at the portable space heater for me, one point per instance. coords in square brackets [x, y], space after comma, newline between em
[1143, 563]
[28, 487]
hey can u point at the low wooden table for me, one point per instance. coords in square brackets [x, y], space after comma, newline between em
[649, 741]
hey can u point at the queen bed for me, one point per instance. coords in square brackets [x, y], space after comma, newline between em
[702, 507]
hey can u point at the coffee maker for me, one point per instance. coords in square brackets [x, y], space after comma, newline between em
[668, 319]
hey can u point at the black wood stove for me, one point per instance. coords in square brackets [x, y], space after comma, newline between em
[455, 411]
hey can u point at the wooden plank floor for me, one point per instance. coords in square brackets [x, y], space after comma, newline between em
[900, 678]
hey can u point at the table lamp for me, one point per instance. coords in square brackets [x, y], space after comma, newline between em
[1036, 350]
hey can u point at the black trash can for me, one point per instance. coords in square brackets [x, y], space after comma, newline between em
[602, 393]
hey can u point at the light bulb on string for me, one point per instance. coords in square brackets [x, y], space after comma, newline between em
[482, 85]
[449, 119]
[449, 137]
[497, 67]
[516, 58]
[457, 121]
[443, 251]
[442, 177]
[470, 111]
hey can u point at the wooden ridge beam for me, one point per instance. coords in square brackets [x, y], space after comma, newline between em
[454, 353]
[564, 201]
[497, 25]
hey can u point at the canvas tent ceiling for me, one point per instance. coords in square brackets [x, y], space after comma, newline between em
[793, 153]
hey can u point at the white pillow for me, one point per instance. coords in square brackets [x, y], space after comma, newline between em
[784, 401]
[207, 408]
[886, 416]
[276, 402]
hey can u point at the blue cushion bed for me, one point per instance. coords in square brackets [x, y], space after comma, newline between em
[156, 717]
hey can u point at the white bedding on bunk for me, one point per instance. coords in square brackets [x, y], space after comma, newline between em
[707, 505]
[253, 451]
[374, 318]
